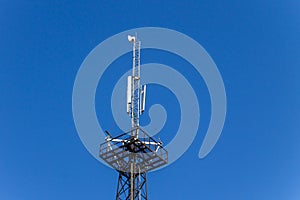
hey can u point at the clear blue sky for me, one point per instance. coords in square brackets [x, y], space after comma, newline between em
[256, 46]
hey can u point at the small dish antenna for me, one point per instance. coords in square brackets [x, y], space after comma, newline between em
[131, 38]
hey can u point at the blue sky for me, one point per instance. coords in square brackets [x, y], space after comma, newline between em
[256, 46]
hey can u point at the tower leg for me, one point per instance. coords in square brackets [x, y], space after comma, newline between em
[139, 189]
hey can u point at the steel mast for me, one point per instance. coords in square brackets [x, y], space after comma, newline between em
[133, 153]
[135, 85]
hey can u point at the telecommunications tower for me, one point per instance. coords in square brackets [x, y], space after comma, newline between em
[134, 153]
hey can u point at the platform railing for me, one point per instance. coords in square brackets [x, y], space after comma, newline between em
[149, 153]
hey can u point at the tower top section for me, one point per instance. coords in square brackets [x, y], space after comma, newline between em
[136, 94]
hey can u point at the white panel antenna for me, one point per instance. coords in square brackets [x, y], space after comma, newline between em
[129, 93]
[143, 99]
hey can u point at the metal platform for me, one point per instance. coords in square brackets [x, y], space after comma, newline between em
[147, 154]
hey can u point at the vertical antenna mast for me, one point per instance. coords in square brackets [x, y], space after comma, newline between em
[136, 75]
[135, 105]
[135, 94]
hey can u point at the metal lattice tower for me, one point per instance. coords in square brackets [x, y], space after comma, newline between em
[133, 153]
